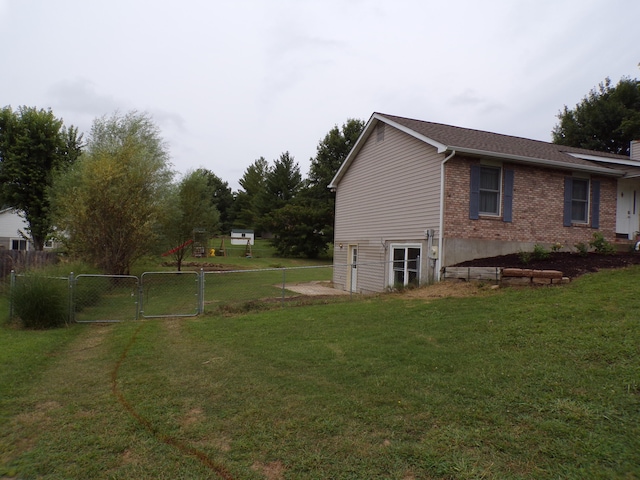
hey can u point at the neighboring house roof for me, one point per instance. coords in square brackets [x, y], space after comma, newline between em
[447, 139]
[7, 210]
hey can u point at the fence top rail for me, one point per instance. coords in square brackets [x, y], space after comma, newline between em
[47, 276]
[272, 269]
[173, 272]
[104, 275]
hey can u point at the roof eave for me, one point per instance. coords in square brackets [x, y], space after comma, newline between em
[540, 161]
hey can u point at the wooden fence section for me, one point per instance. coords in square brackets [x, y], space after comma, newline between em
[505, 276]
[20, 260]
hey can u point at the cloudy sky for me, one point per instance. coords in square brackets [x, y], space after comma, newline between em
[229, 82]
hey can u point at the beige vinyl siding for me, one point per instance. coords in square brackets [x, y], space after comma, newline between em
[390, 193]
[372, 269]
[391, 189]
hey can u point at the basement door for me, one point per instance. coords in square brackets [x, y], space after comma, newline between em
[627, 211]
[352, 269]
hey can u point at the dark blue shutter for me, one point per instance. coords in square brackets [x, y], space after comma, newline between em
[474, 197]
[568, 195]
[595, 204]
[507, 215]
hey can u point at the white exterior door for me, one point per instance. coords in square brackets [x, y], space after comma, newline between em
[352, 270]
[627, 211]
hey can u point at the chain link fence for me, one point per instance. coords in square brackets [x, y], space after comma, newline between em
[117, 298]
[242, 290]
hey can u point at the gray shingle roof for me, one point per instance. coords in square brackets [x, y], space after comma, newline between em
[466, 138]
[468, 141]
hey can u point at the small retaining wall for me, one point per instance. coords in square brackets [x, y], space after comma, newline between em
[506, 276]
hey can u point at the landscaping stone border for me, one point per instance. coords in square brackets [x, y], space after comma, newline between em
[506, 276]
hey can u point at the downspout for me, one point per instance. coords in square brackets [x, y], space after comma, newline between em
[441, 232]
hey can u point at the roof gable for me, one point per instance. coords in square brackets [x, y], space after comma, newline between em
[448, 138]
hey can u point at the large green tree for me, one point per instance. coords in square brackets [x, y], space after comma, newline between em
[34, 144]
[331, 153]
[222, 198]
[110, 202]
[304, 226]
[245, 211]
[283, 181]
[191, 211]
[606, 119]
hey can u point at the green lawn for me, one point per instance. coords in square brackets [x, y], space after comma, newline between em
[533, 383]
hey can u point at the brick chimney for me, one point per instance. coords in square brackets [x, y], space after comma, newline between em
[634, 150]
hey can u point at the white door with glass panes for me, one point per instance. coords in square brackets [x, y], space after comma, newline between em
[405, 265]
[352, 269]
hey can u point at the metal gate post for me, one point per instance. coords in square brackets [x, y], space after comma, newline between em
[201, 292]
[284, 283]
[140, 297]
[71, 298]
[12, 286]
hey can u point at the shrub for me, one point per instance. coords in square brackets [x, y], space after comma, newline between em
[40, 302]
[601, 245]
[582, 248]
[539, 252]
[525, 257]
[556, 247]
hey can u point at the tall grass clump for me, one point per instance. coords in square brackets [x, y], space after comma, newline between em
[40, 302]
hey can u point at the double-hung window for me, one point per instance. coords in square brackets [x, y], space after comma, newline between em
[581, 201]
[489, 191]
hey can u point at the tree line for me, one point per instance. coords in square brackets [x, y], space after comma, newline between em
[113, 198]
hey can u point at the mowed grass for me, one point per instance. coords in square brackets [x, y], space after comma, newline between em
[532, 383]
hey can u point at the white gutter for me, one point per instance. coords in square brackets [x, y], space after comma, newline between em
[615, 161]
[441, 227]
[541, 161]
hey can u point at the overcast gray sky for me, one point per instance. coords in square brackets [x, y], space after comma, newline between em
[228, 82]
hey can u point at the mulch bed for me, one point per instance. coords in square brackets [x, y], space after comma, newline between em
[570, 264]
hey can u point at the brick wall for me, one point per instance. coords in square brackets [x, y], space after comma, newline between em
[538, 199]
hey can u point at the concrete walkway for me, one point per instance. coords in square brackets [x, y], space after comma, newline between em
[315, 289]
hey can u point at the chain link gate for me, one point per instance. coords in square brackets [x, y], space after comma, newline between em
[103, 298]
[118, 298]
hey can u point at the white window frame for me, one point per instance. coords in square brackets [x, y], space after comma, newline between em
[497, 193]
[406, 270]
[586, 201]
[14, 239]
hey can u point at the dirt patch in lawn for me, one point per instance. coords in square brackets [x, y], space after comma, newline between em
[449, 289]
[570, 264]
